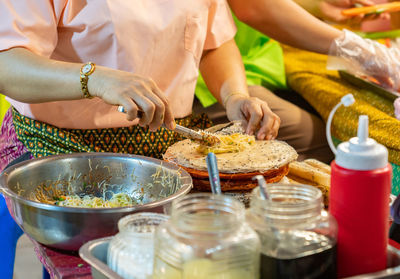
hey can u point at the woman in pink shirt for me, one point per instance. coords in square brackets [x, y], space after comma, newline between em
[146, 56]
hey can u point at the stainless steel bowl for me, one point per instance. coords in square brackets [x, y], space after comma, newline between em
[68, 228]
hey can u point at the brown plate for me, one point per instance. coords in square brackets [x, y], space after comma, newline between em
[235, 181]
[234, 185]
[239, 176]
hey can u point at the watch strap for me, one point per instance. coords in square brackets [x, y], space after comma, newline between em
[85, 79]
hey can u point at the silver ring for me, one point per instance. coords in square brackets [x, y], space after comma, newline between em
[121, 109]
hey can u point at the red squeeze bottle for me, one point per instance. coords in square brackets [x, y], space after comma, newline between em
[359, 198]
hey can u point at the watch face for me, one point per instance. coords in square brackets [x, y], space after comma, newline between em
[86, 69]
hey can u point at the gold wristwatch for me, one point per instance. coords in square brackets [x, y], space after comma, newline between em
[86, 70]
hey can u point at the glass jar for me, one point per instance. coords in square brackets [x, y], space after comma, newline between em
[206, 237]
[131, 251]
[298, 237]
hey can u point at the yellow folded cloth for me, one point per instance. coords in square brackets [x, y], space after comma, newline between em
[306, 74]
[4, 105]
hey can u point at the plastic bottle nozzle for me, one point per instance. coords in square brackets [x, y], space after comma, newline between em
[362, 132]
[347, 100]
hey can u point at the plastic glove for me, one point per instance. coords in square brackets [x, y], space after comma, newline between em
[363, 57]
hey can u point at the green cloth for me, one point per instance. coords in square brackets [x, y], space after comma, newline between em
[262, 59]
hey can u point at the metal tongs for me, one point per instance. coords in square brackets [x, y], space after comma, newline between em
[213, 173]
[263, 187]
[184, 131]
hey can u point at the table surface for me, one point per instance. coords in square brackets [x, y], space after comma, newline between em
[61, 265]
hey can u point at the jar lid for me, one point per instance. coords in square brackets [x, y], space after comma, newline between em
[289, 205]
[145, 222]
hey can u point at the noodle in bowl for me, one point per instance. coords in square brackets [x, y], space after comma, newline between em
[33, 187]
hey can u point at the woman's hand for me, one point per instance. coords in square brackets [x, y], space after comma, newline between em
[31, 78]
[224, 74]
[331, 10]
[134, 93]
[363, 57]
[255, 114]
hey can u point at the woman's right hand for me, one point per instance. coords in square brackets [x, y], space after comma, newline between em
[364, 57]
[134, 93]
[331, 10]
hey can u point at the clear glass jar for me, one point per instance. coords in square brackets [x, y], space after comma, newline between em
[131, 251]
[206, 237]
[298, 237]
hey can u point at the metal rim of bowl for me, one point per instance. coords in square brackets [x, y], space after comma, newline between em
[185, 188]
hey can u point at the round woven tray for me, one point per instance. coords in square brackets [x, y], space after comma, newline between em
[235, 182]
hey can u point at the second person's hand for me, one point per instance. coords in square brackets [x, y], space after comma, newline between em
[331, 10]
[133, 92]
[364, 57]
[258, 118]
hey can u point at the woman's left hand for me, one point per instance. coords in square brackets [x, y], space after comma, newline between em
[256, 115]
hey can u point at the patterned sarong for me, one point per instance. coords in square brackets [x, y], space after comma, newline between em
[43, 139]
[10, 147]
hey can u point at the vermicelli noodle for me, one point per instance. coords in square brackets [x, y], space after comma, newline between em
[228, 144]
[89, 201]
[102, 194]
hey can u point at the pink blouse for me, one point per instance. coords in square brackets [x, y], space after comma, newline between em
[161, 39]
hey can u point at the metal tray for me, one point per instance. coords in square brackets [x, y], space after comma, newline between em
[365, 84]
[95, 253]
[392, 272]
